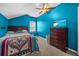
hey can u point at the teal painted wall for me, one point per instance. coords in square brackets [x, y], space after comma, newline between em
[22, 21]
[19, 21]
[3, 23]
[62, 11]
[43, 25]
[68, 11]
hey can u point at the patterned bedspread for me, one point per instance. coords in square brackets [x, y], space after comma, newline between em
[20, 45]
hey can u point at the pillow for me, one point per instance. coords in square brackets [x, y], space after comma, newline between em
[10, 32]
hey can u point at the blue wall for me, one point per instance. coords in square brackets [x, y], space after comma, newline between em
[19, 21]
[22, 21]
[62, 11]
[43, 25]
[68, 11]
[3, 23]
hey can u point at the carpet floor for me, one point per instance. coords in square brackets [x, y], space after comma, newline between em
[48, 50]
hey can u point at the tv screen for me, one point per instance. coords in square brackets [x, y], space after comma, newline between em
[60, 23]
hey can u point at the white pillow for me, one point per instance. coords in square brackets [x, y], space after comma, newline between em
[10, 32]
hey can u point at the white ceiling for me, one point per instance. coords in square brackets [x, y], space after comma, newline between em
[11, 10]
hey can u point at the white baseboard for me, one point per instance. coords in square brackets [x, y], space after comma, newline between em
[72, 50]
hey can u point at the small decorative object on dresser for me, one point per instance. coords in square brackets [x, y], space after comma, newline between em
[58, 38]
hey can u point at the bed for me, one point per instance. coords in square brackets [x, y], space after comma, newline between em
[18, 43]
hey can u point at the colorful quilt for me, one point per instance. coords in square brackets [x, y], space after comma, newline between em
[16, 46]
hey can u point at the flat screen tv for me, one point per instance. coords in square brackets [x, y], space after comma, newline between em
[60, 23]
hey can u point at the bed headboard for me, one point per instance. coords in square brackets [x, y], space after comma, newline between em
[16, 28]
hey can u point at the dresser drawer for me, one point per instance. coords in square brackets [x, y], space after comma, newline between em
[58, 38]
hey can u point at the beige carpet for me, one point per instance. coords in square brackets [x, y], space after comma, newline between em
[48, 50]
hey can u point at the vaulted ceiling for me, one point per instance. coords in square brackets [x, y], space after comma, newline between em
[11, 10]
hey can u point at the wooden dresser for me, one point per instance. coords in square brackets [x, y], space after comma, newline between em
[58, 38]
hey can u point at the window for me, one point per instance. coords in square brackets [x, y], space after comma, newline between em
[32, 26]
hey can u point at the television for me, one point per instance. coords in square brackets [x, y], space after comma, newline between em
[60, 23]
